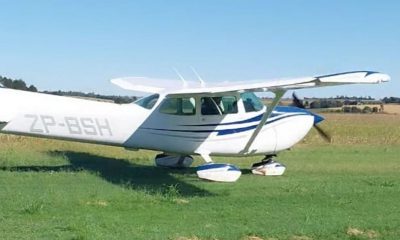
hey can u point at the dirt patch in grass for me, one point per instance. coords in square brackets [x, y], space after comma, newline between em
[300, 238]
[354, 232]
[180, 201]
[100, 203]
[252, 237]
[188, 238]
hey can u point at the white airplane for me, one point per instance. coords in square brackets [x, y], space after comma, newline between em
[180, 119]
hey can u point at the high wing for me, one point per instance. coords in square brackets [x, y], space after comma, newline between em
[172, 87]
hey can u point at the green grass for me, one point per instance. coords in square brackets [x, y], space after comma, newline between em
[60, 190]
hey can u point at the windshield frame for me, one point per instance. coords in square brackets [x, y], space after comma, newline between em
[148, 102]
[250, 97]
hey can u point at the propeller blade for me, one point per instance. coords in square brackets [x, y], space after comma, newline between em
[297, 102]
[326, 136]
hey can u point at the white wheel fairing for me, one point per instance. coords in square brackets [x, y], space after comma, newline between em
[219, 172]
[270, 168]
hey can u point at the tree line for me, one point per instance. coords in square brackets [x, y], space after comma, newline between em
[391, 100]
[16, 84]
[111, 98]
[20, 84]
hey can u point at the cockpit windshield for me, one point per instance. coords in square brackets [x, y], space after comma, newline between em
[148, 102]
[251, 102]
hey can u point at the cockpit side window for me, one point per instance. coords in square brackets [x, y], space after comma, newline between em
[148, 102]
[251, 102]
[218, 105]
[178, 106]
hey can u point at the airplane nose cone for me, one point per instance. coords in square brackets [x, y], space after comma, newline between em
[317, 118]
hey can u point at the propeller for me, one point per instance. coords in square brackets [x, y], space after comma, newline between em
[297, 102]
[323, 133]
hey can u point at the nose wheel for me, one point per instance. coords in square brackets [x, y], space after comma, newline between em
[268, 167]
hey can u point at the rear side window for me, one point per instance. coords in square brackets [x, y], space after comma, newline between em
[178, 106]
[218, 105]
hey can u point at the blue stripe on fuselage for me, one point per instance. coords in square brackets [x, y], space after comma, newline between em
[222, 131]
[279, 111]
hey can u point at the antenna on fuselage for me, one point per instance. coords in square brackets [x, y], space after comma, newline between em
[202, 83]
[180, 76]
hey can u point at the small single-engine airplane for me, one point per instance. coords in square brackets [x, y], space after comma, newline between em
[180, 119]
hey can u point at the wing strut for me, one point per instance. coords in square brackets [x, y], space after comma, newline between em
[270, 107]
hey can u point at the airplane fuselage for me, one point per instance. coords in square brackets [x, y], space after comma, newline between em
[192, 129]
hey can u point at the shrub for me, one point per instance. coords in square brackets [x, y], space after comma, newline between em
[367, 109]
[355, 109]
[346, 109]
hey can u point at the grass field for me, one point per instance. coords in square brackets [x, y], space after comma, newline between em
[392, 108]
[349, 189]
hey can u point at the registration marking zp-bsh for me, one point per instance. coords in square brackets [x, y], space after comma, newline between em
[75, 125]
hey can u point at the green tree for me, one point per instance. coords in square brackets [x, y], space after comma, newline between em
[32, 88]
[16, 84]
[19, 84]
[367, 109]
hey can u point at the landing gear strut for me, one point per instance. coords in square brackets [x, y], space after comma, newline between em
[268, 167]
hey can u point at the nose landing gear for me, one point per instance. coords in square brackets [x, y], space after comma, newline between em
[268, 167]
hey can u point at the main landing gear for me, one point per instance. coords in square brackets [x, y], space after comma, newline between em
[218, 172]
[268, 167]
[173, 161]
[221, 172]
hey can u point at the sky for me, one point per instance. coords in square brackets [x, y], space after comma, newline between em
[81, 45]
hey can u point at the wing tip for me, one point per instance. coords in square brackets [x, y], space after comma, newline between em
[378, 77]
[358, 77]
